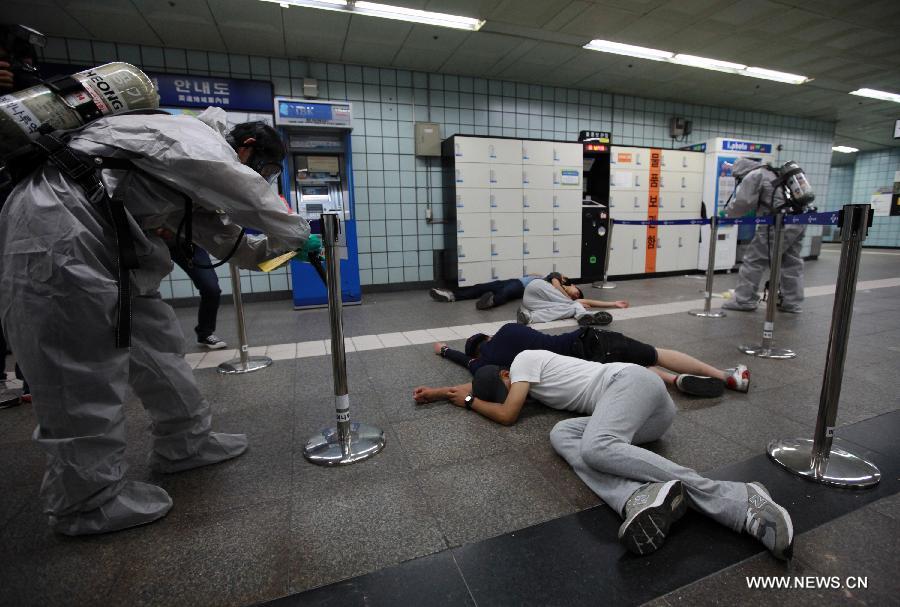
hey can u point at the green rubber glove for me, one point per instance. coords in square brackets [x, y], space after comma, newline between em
[313, 247]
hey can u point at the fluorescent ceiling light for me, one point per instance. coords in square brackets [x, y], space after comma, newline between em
[844, 149]
[708, 64]
[759, 72]
[882, 95]
[605, 46]
[642, 52]
[386, 11]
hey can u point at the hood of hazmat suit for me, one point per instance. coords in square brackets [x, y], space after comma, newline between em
[59, 296]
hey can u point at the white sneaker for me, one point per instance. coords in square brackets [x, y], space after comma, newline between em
[768, 522]
[212, 342]
[523, 317]
[738, 379]
[442, 295]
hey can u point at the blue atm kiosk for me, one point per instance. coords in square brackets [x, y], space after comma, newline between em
[317, 177]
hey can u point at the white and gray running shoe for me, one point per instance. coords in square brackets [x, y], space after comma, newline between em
[523, 316]
[768, 522]
[649, 513]
[212, 342]
[442, 295]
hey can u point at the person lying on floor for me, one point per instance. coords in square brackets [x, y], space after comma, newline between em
[555, 298]
[489, 294]
[685, 372]
[624, 406]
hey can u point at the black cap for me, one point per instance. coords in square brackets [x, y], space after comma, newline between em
[473, 342]
[488, 386]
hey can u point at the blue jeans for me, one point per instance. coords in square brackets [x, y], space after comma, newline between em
[207, 282]
[503, 290]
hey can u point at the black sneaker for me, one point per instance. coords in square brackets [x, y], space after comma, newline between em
[699, 385]
[594, 320]
[442, 295]
[485, 302]
[212, 342]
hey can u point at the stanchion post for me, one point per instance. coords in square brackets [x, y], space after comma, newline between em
[707, 312]
[603, 284]
[818, 459]
[244, 363]
[765, 349]
[348, 442]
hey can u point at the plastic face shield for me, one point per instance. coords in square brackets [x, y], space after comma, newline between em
[270, 172]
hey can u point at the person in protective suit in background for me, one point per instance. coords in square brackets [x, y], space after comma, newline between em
[757, 191]
[59, 299]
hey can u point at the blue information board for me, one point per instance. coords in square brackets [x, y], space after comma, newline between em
[303, 112]
[746, 146]
[204, 91]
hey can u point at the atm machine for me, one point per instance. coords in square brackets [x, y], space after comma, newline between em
[318, 177]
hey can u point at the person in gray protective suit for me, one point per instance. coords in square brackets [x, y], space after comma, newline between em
[59, 300]
[755, 192]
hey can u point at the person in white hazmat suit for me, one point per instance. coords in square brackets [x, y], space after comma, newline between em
[59, 300]
[755, 192]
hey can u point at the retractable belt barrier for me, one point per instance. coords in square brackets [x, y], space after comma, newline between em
[818, 219]
[820, 459]
[348, 442]
[244, 363]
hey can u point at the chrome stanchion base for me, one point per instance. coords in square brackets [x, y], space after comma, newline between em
[844, 469]
[254, 363]
[711, 314]
[603, 285]
[767, 352]
[325, 448]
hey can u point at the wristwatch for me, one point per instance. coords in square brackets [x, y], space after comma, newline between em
[444, 350]
[469, 399]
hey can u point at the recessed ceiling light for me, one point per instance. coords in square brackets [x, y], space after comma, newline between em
[642, 52]
[844, 149]
[386, 11]
[882, 95]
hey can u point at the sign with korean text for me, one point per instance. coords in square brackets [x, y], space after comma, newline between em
[204, 91]
[305, 112]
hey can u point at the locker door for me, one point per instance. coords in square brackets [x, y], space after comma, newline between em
[678, 205]
[469, 175]
[473, 273]
[538, 224]
[472, 200]
[567, 200]
[666, 248]
[622, 179]
[568, 154]
[506, 248]
[537, 247]
[541, 266]
[567, 177]
[471, 149]
[567, 223]
[638, 248]
[473, 226]
[688, 247]
[536, 176]
[473, 249]
[506, 224]
[628, 157]
[537, 152]
[506, 200]
[680, 181]
[504, 270]
[570, 267]
[567, 246]
[505, 176]
[632, 203]
[505, 151]
[681, 160]
[538, 201]
[620, 252]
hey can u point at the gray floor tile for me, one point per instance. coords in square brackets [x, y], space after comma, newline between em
[489, 496]
[338, 532]
[234, 559]
[560, 475]
[889, 506]
[747, 424]
[698, 446]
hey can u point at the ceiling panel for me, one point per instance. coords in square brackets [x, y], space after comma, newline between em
[600, 22]
[313, 47]
[440, 39]
[191, 21]
[45, 16]
[376, 30]
[368, 53]
[467, 62]
[530, 13]
[113, 20]
[417, 60]
[550, 54]
[477, 9]
[253, 28]
[742, 13]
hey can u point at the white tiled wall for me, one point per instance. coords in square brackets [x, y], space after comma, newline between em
[392, 185]
[855, 183]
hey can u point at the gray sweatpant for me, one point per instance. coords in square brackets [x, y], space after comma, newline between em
[636, 408]
[755, 264]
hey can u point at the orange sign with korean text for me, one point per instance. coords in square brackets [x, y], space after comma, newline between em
[653, 209]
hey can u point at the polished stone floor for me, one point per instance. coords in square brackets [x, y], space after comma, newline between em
[269, 524]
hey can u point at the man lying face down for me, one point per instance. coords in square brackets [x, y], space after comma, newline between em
[623, 405]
